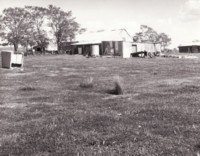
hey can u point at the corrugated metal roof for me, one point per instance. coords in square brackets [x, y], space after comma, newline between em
[84, 43]
[105, 35]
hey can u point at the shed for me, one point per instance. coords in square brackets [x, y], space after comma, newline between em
[193, 47]
[114, 42]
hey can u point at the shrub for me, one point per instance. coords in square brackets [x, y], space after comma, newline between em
[118, 88]
[87, 83]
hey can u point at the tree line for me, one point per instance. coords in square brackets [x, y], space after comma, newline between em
[31, 25]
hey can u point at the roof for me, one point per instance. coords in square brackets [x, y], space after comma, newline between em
[194, 43]
[84, 43]
[105, 35]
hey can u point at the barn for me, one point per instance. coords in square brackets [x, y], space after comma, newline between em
[190, 48]
[113, 42]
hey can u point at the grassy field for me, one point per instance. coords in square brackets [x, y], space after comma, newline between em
[44, 111]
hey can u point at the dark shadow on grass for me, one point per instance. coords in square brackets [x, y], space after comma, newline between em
[28, 88]
[197, 147]
[112, 91]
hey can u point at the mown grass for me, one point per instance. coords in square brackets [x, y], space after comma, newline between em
[44, 111]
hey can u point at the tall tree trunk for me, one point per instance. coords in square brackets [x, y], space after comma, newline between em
[15, 47]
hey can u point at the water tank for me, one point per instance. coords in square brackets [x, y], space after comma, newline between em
[79, 50]
[95, 50]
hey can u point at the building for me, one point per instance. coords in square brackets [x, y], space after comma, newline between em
[114, 42]
[193, 47]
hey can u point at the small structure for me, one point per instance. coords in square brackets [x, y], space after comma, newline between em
[9, 59]
[193, 47]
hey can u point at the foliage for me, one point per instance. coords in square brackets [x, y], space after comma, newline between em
[149, 34]
[62, 23]
[39, 34]
[28, 26]
[16, 24]
[146, 34]
[164, 40]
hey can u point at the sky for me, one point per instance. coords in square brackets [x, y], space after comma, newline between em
[177, 18]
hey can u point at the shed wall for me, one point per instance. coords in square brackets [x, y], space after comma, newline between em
[189, 49]
[127, 49]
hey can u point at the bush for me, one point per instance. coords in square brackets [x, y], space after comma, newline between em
[87, 83]
[118, 88]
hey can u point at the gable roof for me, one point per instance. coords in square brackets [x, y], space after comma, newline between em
[105, 35]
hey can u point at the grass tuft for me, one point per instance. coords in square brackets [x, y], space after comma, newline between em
[87, 83]
[118, 86]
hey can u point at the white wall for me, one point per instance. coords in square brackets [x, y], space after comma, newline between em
[148, 47]
[95, 50]
[127, 49]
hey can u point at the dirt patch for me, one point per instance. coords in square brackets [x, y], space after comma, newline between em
[52, 74]
[68, 69]
[19, 74]
[6, 88]
[13, 105]
[71, 74]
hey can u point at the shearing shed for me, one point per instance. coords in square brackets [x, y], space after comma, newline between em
[114, 42]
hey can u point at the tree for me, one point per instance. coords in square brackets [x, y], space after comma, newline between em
[38, 35]
[63, 25]
[15, 24]
[149, 34]
[164, 40]
[146, 34]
